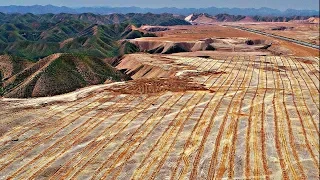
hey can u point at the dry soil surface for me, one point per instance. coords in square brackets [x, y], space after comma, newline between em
[232, 117]
[279, 47]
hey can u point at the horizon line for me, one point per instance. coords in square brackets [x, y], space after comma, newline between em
[105, 6]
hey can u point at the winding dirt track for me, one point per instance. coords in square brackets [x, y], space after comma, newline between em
[258, 119]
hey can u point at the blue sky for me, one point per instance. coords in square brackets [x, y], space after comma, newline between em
[278, 4]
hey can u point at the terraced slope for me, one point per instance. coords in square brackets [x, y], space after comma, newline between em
[255, 117]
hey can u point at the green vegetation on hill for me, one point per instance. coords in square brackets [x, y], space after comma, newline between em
[66, 37]
[138, 34]
[134, 34]
[1, 86]
[50, 54]
[130, 48]
[37, 36]
[58, 74]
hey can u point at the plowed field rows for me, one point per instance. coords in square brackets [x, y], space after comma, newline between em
[256, 118]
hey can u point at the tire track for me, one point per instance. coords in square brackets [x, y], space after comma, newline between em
[171, 132]
[289, 125]
[187, 115]
[215, 107]
[191, 139]
[248, 133]
[62, 171]
[212, 75]
[281, 115]
[37, 139]
[263, 119]
[214, 159]
[35, 123]
[225, 149]
[119, 153]
[305, 115]
[231, 131]
[216, 80]
[211, 62]
[304, 79]
[314, 68]
[25, 128]
[158, 116]
[58, 141]
[198, 63]
[163, 134]
[204, 64]
[256, 118]
[304, 99]
[235, 129]
[303, 110]
[127, 118]
[275, 103]
[98, 120]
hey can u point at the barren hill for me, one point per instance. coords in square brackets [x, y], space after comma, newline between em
[248, 19]
[11, 65]
[207, 19]
[201, 19]
[314, 20]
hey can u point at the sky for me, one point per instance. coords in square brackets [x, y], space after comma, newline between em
[277, 4]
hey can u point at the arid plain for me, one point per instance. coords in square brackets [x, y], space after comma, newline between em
[249, 109]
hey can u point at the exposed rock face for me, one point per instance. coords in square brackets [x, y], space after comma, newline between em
[139, 66]
[155, 28]
[201, 19]
[169, 47]
[314, 20]
[154, 46]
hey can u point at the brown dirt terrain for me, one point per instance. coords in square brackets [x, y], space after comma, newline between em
[195, 33]
[139, 66]
[155, 45]
[10, 66]
[223, 117]
[157, 85]
[308, 32]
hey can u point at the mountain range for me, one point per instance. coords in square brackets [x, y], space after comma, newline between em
[37, 36]
[37, 9]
